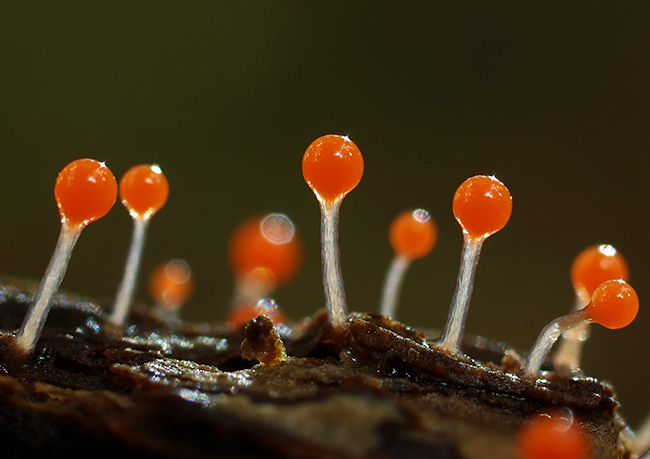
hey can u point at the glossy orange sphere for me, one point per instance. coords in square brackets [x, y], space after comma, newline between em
[482, 206]
[413, 234]
[85, 191]
[332, 166]
[597, 264]
[144, 190]
[614, 304]
[266, 244]
[553, 437]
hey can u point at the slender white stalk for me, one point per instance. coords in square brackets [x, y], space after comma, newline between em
[332, 279]
[452, 335]
[131, 270]
[37, 313]
[548, 337]
[568, 355]
[393, 285]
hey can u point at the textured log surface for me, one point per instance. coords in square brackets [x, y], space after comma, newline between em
[170, 389]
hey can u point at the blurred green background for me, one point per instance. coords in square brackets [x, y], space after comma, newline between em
[553, 98]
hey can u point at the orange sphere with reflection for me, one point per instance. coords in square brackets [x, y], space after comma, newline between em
[482, 206]
[332, 166]
[171, 284]
[85, 191]
[413, 234]
[553, 436]
[144, 190]
[597, 264]
[266, 245]
[614, 304]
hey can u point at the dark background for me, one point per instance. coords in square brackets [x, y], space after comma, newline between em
[554, 99]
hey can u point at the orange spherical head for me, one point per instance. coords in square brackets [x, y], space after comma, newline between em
[267, 244]
[171, 284]
[413, 234]
[144, 190]
[614, 304]
[482, 206]
[332, 167]
[595, 265]
[85, 191]
[553, 436]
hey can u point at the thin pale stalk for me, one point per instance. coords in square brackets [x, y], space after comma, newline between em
[393, 285]
[126, 290]
[455, 326]
[547, 338]
[332, 279]
[37, 313]
[568, 355]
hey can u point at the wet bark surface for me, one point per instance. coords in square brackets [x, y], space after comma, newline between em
[172, 389]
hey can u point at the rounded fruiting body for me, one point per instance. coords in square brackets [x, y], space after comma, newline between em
[614, 304]
[332, 166]
[171, 284]
[85, 190]
[595, 265]
[267, 245]
[144, 190]
[553, 436]
[413, 234]
[482, 206]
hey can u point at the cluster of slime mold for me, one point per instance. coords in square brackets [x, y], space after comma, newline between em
[266, 251]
